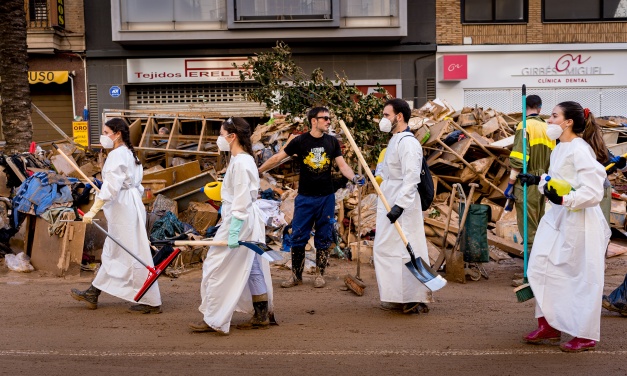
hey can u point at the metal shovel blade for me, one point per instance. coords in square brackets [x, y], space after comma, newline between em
[423, 272]
[263, 250]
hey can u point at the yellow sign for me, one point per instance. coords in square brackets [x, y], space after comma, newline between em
[46, 77]
[80, 131]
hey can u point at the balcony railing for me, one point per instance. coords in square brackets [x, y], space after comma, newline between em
[37, 14]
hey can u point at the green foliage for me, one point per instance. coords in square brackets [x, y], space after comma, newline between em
[286, 88]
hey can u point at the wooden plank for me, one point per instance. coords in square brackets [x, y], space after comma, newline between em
[176, 174]
[506, 245]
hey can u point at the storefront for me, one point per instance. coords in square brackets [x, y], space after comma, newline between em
[52, 92]
[492, 76]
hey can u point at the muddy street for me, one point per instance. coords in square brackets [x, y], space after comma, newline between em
[472, 329]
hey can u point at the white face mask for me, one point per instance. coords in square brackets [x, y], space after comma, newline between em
[554, 131]
[106, 141]
[223, 144]
[385, 125]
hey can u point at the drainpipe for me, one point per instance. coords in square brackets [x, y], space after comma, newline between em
[70, 75]
[416, 78]
[85, 73]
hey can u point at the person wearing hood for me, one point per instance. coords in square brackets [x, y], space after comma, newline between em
[566, 265]
[120, 198]
[400, 173]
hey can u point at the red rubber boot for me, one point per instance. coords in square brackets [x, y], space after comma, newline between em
[544, 333]
[578, 345]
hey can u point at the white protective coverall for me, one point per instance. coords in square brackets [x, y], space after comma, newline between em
[120, 274]
[567, 262]
[225, 272]
[401, 174]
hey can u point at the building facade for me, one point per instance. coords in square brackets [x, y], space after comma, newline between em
[178, 54]
[561, 50]
[57, 74]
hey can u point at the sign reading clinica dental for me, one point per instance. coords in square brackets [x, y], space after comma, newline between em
[184, 69]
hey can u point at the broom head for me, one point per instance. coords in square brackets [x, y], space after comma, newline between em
[155, 273]
[524, 292]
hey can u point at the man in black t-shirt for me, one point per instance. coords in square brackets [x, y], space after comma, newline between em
[314, 206]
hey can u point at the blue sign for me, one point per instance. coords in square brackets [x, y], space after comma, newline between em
[115, 91]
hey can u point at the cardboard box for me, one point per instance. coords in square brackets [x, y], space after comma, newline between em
[59, 255]
[366, 251]
[201, 216]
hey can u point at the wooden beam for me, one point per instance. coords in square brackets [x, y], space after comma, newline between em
[506, 245]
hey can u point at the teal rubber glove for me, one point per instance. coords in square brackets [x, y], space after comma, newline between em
[234, 229]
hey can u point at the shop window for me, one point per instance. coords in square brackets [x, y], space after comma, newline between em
[282, 10]
[494, 11]
[370, 13]
[584, 10]
[173, 14]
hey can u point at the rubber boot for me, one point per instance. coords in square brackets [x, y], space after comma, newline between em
[544, 333]
[89, 296]
[298, 265]
[578, 345]
[260, 319]
[322, 260]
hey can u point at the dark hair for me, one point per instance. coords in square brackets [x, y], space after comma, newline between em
[315, 111]
[399, 106]
[241, 129]
[118, 125]
[534, 101]
[587, 127]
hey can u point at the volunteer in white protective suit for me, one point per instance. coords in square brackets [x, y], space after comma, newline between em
[400, 171]
[120, 197]
[566, 265]
[235, 278]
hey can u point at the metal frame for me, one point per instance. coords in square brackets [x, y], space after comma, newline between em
[494, 20]
[578, 20]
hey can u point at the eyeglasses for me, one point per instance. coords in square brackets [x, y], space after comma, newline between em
[326, 118]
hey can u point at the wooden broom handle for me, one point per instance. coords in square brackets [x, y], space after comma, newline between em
[361, 159]
[71, 162]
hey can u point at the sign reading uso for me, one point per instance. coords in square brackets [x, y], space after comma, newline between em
[184, 69]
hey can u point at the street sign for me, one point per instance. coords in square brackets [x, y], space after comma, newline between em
[115, 91]
[80, 131]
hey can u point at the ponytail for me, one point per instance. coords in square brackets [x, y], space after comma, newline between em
[119, 125]
[594, 137]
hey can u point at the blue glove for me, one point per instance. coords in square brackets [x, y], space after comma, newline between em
[359, 180]
[619, 162]
[508, 191]
[234, 229]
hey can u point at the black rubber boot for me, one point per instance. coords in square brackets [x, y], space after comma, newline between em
[89, 296]
[260, 319]
[322, 258]
[298, 265]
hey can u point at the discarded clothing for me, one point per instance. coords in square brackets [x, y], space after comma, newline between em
[42, 191]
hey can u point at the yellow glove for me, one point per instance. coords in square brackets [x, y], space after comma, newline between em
[95, 208]
[88, 217]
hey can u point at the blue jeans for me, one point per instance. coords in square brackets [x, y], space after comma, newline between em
[313, 213]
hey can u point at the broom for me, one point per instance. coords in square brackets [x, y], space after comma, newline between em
[524, 292]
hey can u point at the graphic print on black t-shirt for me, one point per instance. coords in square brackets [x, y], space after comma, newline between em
[316, 155]
[317, 160]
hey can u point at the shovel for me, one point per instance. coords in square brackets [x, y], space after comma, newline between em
[354, 283]
[259, 248]
[455, 267]
[417, 266]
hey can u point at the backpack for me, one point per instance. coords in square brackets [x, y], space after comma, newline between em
[425, 187]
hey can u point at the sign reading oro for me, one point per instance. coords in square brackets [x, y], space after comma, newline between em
[80, 131]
